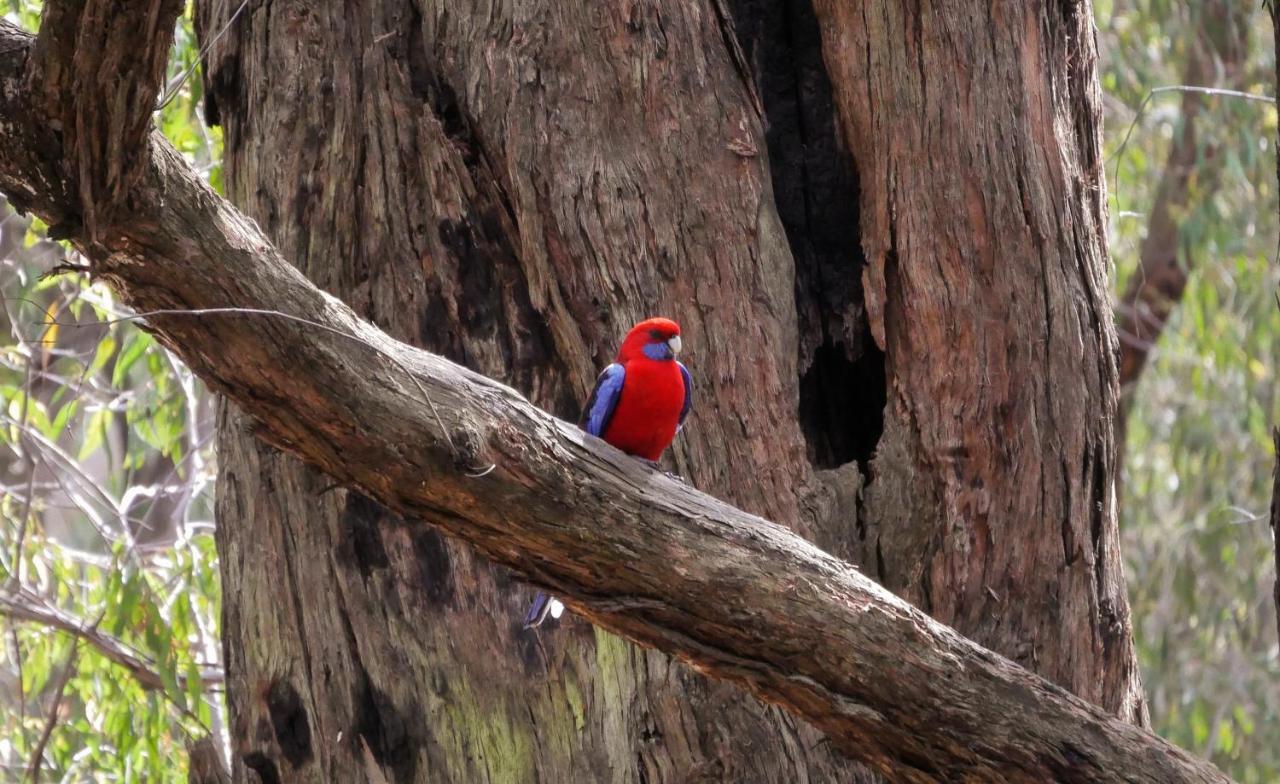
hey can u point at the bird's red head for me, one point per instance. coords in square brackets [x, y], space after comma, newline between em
[655, 338]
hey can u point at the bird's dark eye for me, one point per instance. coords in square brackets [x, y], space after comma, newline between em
[656, 334]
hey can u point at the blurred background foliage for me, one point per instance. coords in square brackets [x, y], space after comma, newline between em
[110, 661]
[109, 596]
[1196, 485]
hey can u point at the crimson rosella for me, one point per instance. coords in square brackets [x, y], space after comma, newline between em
[638, 404]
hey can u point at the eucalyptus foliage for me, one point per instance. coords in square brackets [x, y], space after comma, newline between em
[1199, 455]
[109, 594]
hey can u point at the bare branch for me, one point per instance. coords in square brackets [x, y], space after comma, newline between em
[29, 463]
[739, 598]
[24, 606]
[1275, 491]
[51, 721]
[1176, 88]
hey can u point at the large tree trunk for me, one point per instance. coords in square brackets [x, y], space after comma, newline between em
[742, 599]
[512, 191]
[513, 186]
[975, 128]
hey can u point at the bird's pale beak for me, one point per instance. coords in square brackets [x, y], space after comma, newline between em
[674, 345]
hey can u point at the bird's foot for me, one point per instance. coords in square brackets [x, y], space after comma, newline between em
[657, 467]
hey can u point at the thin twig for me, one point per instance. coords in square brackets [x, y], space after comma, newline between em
[1219, 91]
[51, 723]
[66, 267]
[1179, 88]
[95, 394]
[87, 484]
[22, 689]
[28, 455]
[1275, 519]
[149, 491]
[186, 380]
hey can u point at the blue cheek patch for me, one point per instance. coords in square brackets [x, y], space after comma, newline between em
[657, 351]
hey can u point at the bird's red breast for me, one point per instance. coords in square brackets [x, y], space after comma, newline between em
[648, 412]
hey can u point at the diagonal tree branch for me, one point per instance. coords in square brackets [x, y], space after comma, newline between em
[643, 555]
[22, 606]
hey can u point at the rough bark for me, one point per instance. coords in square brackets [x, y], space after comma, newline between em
[205, 764]
[412, 159]
[91, 78]
[740, 598]
[842, 385]
[975, 129]
[553, 192]
[511, 191]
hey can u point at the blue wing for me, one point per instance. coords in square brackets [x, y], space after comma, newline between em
[544, 606]
[538, 611]
[603, 401]
[688, 394]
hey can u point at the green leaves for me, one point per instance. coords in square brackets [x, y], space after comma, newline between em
[1199, 456]
[106, 487]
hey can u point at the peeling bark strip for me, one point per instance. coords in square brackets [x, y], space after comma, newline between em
[737, 597]
[975, 128]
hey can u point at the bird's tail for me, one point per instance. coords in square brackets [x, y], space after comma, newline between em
[543, 605]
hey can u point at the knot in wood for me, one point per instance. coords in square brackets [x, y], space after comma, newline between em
[468, 443]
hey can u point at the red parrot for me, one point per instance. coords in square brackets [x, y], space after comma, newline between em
[638, 404]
